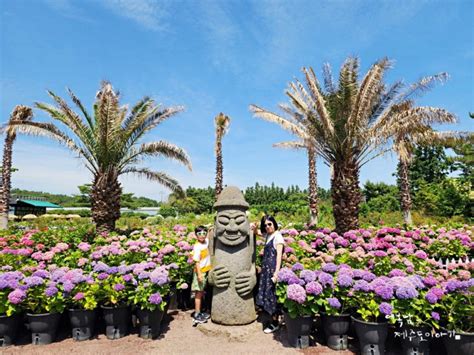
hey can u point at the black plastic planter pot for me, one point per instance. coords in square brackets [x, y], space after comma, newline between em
[299, 330]
[82, 323]
[43, 327]
[150, 323]
[460, 344]
[336, 328]
[416, 340]
[117, 321]
[372, 336]
[8, 328]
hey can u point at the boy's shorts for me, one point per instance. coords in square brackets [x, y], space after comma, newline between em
[196, 285]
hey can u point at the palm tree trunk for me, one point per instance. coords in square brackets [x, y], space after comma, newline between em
[313, 187]
[346, 196]
[105, 198]
[219, 167]
[6, 180]
[405, 197]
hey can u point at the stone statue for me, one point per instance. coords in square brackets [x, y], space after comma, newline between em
[232, 249]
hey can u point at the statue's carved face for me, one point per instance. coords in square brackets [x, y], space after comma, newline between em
[232, 227]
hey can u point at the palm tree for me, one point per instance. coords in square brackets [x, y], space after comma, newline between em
[20, 114]
[351, 123]
[312, 175]
[108, 142]
[222, 123]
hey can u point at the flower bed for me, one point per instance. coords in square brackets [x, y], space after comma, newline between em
[373, 274]
[53, 270]
[382, 275]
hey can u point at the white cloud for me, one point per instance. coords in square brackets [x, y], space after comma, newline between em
[222, 33]
[67, 8]
[149, 14]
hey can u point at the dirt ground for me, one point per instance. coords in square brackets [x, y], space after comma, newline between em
[178, 337]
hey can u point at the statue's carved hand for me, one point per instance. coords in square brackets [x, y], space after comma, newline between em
[245, 282]
[221, 276]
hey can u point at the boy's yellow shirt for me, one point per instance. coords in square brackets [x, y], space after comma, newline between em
[201, 255]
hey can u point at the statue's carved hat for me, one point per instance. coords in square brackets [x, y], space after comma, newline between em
[231, 196]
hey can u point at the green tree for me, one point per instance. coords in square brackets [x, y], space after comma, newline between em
[429, 164]
[108, 142]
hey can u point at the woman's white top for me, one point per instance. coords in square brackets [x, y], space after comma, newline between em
[276, 238]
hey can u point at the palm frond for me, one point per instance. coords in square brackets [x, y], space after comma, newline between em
[368, 95]
[49, 130]
[321, 109]
[281, 121]
[160, 148]
[81, 107]
[153, 118]
[160, 177]
[423, 85]
[70, 119]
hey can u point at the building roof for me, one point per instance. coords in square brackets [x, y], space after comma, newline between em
[38, 203]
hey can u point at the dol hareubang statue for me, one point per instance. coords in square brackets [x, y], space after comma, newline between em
[232, 249]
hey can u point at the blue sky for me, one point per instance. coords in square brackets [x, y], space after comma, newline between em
[218, 56]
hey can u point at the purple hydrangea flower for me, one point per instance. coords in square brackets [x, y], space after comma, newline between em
[16, 296]
[41, 273]
[453, 285]
[361, 285]
[296, 293]
[334, 302]
[32, 281]
[308, 276]
[344, 280]
[285, 274]
[158, 277]
[68, 286]
[385, 308]
[406, 292]
[325, 279]
[329, 267]
[127, 277]
[429, 281]
[368, 276]
[102, 276]
[144, 275]
[384, 291]
[314, 288]
[435, 316]
[101, 267]
[50, 291]
[434, 295]
[396, 272]
[112, 270]
[119, 287]
[297, 267]
[155, 298]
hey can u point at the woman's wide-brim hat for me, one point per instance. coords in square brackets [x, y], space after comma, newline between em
[231, 196]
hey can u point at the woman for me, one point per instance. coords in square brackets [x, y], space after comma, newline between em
[272, 253]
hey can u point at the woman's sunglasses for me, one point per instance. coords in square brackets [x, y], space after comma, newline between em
[201, 233]
[268, 224]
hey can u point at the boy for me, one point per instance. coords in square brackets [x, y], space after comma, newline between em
[202, 264]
